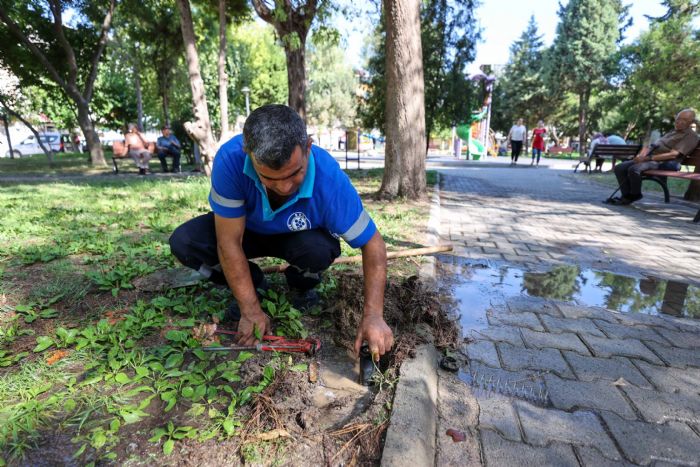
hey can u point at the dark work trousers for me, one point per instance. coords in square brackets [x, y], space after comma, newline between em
[309, 252]
[629, 176]
[515, 148]
[176, 159]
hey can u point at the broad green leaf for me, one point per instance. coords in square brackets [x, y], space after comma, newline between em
[49, 313]
[122, 378]
[177, 336]
[99, 440]
[115, 425]
[201, 354]
[300, 367]
[43, 343]
[158, 433]
[174, 360]
[228, 426]
[168, 447]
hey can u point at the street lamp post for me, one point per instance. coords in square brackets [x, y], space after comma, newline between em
[246, 91]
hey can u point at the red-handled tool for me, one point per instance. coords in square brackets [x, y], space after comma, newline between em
[309, 346]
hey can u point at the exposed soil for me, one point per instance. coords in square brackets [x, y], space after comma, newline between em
[298, 419]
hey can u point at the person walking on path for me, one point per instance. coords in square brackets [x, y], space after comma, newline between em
[538, 142]
[665, 154]
[274, 194]
[517, 137]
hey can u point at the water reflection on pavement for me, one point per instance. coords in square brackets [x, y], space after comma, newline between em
[478, 284]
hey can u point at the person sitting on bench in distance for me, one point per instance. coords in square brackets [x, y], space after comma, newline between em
[274, 194]
[665, 154]
[168, 145]
[136, 145]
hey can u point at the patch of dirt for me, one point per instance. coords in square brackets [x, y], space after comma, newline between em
[296, 420]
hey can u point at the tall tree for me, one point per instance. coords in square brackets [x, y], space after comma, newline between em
[292, 21]
[200, 129]
[449, 33]
[448, 36]
[67, 55]
[256, 61]
[404, 167]
[581, 56]
[521, 90]
[332, 85]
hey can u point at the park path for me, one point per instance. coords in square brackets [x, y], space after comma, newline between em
[561, 383]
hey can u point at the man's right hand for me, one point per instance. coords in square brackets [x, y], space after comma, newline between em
[249, 323]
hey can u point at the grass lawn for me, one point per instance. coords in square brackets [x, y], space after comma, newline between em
[71, 163]
[102, 372]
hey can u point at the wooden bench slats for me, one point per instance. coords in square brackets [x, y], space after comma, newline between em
[660, 176]
[119, 151]
[673, 174]
[608, 151]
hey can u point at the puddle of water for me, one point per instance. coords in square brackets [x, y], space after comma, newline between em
[479, 285]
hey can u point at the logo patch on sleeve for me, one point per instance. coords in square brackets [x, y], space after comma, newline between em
[298, 221]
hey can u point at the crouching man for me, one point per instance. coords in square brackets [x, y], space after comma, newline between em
[274, 194]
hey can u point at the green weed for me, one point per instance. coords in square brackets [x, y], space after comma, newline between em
[286, 317]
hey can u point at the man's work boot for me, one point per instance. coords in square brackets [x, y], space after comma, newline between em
[233, 312]
[304, 300]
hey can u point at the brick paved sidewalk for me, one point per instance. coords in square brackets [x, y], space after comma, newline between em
[556, 383]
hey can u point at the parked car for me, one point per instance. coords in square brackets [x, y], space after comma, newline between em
[30, 145]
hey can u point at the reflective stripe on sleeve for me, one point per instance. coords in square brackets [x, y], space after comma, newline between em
[225, 202]
[357, 228]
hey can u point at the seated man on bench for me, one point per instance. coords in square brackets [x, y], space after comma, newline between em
[665, 154]
[137, 148]
[168, 145]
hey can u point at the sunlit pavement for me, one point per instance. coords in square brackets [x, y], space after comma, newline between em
[550, 381]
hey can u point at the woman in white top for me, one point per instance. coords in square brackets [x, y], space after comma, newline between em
[517, 137]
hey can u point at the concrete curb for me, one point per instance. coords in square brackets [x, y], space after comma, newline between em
[411, 436]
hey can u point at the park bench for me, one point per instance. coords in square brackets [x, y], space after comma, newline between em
[661, 176]
[120, 151]
[602, 152]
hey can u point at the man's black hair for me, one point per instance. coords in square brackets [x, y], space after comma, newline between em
[271, 133]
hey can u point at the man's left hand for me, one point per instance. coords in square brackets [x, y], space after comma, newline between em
[374, 330]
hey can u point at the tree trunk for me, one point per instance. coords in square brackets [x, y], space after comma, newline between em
[296, 78]
[166, 107]
[223, 77]
[404, 168]
[47, 151]
[582, 120]
[91, 139]
[200, 129]
[139, 95]
[693, 191]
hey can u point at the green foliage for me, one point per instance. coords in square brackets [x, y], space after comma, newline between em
[561, 283]
[581, 58]
[449, 34]
[652, 68]
[332, 85]
[257, 62]
[286, 317]
[521, 92]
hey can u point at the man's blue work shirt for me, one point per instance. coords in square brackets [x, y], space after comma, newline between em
[326, 199]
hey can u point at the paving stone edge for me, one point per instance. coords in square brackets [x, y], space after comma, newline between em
[410, 438]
